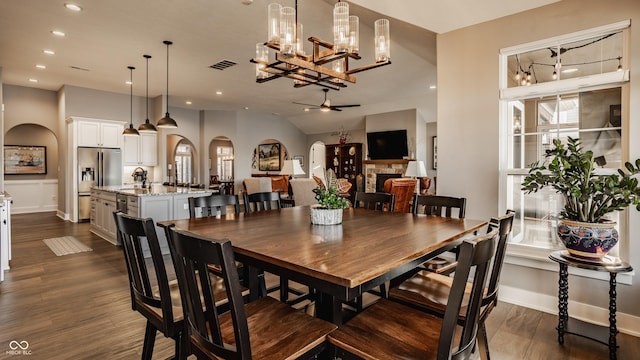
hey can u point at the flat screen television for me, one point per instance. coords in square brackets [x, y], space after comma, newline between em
[384, 145]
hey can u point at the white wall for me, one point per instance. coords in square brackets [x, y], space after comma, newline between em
[468, 116]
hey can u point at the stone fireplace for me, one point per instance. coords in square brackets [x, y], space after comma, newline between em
[388, 168]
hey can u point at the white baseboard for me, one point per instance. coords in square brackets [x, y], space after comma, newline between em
[62, 215]
[628, 324]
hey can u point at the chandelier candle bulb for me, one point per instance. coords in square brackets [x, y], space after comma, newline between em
[287, 31]
[274, 23]
[341, 28]
[262, 54]
[354, 34]
[300, 40]
[382, 41]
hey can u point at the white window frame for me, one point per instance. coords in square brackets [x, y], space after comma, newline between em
[538, 257]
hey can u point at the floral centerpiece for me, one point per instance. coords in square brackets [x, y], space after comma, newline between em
[329, 208]
[588, 197]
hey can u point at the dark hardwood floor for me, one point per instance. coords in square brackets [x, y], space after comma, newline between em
[78, 306]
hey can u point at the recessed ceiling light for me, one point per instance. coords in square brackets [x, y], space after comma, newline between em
[188, 102]
[49, 52]
[570, 70]
[58, 33]
[432, 87]
[40, 66]
[218, 92]
[73, 7]
[306, 109]
[33, 80]
[128, 82]
[246, 108]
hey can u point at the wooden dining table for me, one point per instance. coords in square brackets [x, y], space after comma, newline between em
[341, 262]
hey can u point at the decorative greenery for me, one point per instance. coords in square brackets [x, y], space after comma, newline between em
[588, 197]
[329, 198]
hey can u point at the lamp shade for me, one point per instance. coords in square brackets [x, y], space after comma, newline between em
[292, 167]
[415, 169]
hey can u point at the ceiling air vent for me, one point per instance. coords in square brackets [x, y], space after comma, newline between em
[223, 64]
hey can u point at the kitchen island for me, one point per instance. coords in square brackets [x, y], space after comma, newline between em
[158, 202]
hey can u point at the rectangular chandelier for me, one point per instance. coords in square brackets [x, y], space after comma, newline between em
[328, 64]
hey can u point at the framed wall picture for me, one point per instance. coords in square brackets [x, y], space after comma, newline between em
[269, 157]
[300, 159]
[434, 141]
[25, 160]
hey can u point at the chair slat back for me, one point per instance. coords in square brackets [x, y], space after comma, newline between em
[374, 201]
[132, 232]
[262, 201]
[192, 256]
[503, 225]
[212, 205]
[475, 254]
[439, 205]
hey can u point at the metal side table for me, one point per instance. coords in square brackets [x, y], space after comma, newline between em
[581, 328]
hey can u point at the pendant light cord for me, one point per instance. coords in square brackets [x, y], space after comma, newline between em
[131, 96]
[147, 106]
[168, 43]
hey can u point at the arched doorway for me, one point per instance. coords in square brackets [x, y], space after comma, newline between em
[221, 159]
[182, 160]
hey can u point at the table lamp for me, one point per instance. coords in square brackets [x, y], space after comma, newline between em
[416, 169]
[292, 167]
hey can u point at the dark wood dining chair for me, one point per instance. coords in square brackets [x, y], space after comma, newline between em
[157, 299]
[374, 201]
[264, 201]
[261, 201]
[212, 205]
[261, 329]
[429, 291]
[437, 205]
[388, 329]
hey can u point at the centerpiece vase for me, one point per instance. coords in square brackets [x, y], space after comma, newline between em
[324, 216]
[588, 241]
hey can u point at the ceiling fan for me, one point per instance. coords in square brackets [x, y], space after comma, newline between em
[326, 104]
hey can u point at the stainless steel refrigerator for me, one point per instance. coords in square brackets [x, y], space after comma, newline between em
[96, 167]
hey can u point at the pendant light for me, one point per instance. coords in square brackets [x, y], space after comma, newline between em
[131, 131]
[147, 126]
[167, 121]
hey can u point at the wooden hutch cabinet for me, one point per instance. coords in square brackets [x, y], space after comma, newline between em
[346, 161]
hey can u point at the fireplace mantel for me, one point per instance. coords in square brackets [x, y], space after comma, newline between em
[386, 162]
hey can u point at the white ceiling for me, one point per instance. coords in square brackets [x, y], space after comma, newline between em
[107, 36]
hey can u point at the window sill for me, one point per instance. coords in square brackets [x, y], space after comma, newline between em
[538, 258]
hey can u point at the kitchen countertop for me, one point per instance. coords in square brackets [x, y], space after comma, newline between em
[153, 190]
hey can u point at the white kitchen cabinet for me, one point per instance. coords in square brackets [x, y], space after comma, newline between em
[140, 150]
[5, 235]
[104, 224]
[99, 133]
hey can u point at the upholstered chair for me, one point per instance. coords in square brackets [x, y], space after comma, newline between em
[403, 189]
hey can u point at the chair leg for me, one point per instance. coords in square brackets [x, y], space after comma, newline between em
[483, 343]
[180, 348]
[149, 341]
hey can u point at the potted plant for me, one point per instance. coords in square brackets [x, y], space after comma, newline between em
[588, 198]
[329, 208]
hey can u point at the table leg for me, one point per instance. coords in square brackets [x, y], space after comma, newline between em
[613, 329]
[563, 301]
[256, 284]
[328, 308]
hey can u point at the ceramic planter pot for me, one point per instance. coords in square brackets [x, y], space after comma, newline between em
[322, 216]
[589, 241]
